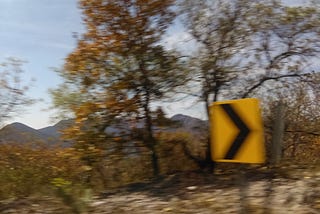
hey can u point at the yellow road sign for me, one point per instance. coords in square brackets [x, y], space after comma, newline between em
[237, 131]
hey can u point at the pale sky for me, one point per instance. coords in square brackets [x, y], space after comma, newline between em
[40, 32]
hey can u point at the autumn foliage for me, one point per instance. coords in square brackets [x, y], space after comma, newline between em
[120, 67]
[28, 169]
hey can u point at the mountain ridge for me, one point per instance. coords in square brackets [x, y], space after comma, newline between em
[20, 133]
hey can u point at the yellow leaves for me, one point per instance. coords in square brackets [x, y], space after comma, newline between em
[85, 168]
[60, 182]
[102, 105]
[118, 34]
[84, 110]
[120, 102]
[83, 61]
[299, 14]
[70, 153]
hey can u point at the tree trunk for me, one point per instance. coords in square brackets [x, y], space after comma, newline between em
[149, 139]
[209, 164]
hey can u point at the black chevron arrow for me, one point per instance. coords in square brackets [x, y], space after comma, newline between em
[243, 131]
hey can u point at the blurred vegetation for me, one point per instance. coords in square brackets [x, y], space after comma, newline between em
[13, 89]
[30, 169]
[120, 70]
[302, 122]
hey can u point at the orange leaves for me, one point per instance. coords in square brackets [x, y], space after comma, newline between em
[86, 110]
[83, 61]
[118, 67]
[117, 139]
[117, 106]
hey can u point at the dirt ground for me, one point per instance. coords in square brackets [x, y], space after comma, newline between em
[294, 189]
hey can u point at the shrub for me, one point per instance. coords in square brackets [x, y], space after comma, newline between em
[30, 169]
[179, 151]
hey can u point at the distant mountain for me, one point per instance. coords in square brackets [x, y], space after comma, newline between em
[180, 122]
[55, 131]
[191, 124]
[20, 133]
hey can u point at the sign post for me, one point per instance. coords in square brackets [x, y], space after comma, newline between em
[237, 136]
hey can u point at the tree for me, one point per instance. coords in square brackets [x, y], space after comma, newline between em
[160, 119]
[301, 120]
[286, 42]
[120, 66]
[239, 52]
[243, 45]
[221, 30]
[12, 92]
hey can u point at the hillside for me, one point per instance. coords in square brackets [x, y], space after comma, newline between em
[20, 133]
[55, 130]
[190, 124]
